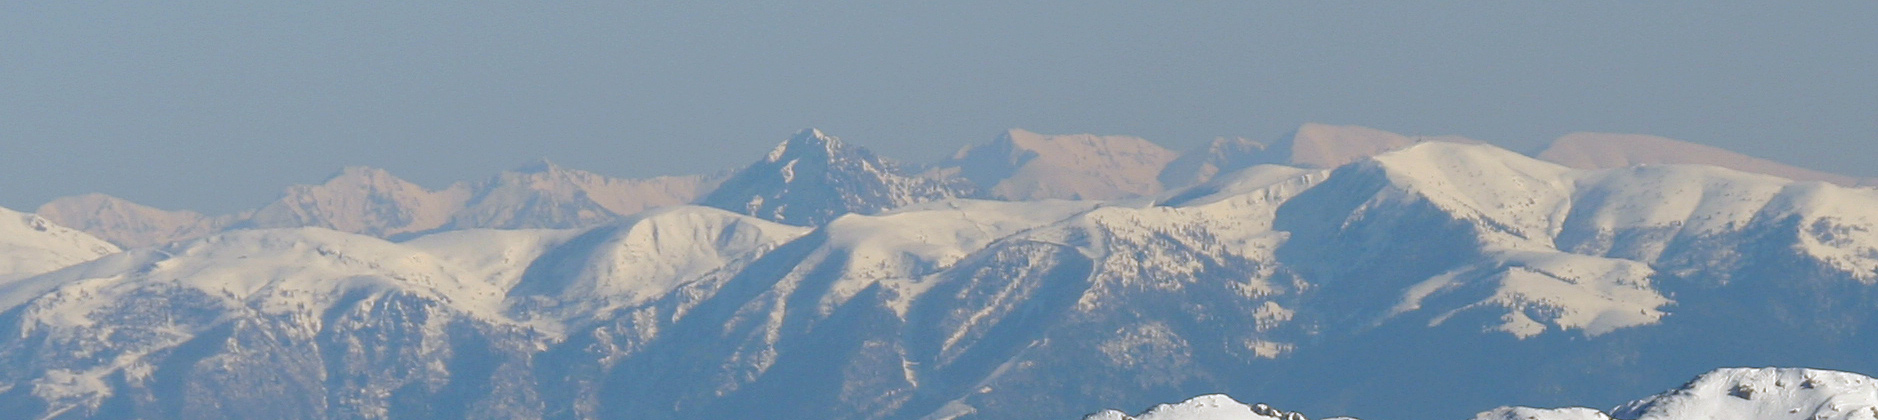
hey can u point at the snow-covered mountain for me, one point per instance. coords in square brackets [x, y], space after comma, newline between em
[1430, 282]
[1315, 145]
[813, 178]
[1762, 394]
[541, 195]
[129, 224]
[1610, 150]
[374, 202]
[1312, 145]
[1221, 156]
[1022, 165]
[30, 245]
[1204, 407]
[1724, 394]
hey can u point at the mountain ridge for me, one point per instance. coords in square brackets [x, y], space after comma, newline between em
[958, 306]
[1728, 393]
[1446, 265]
[1587, 150]
[1018, 165]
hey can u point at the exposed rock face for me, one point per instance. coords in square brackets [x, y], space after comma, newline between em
[813, 178]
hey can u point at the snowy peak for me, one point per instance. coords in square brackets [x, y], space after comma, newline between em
[129, 224]
[374, 202]
[1763, 394]
[643, 258]
[1204, 407]
[1517, 195]
[813, 178]
[1022, 165]
[1312, 145]
[30, 244]
[1507, 209]
[1610, 150]
[1328, 146]
[1723, 394]
[1221, 156]
[809, 142]
[1529, 413]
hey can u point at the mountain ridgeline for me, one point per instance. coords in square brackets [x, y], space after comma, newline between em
[1338, 270]
[1724, 394]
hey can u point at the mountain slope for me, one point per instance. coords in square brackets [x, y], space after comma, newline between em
[1723, 394]
[1312, 145]
[374, 202]
[1763, 394]
[30, 244]
[1219, 157]
[1609, 150]
[1431, 282]
[1021, 165]
[315, 323]
[1315, 145]
[129, 224]
[813, 178]
[1205, 407]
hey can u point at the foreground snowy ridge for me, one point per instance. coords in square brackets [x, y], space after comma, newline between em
[1725, 394]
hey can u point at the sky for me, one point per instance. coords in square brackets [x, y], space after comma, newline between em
[218, 106]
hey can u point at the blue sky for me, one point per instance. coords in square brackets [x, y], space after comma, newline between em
[216, 106]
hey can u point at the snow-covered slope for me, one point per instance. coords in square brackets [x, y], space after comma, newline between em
[129, 224]
[374, 202]
[1204, 407]
[30, 244]
[1221, 156]
[1611, 150]
[635, 261]
[1763, 394]
[1724, 394]
[1022, 165]
[1433, 281]
[813, 178]
[1327, 146]
[1312, 145]
[315, 323]
[1528, 413]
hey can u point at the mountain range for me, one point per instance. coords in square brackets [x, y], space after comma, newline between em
[1339, 270]
[1018, 165]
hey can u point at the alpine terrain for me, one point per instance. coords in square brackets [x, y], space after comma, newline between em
[1364, 274]
[1724, 394]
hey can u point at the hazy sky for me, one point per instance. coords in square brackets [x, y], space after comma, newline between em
[216, 106]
